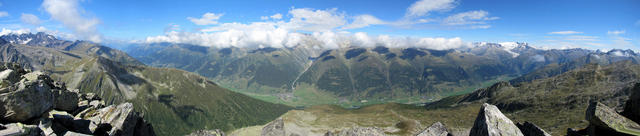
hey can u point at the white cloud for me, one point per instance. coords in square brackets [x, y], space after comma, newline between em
[17, 31]
[207, 19]
[423, 7]
[57, 33]
[41, 29]
[30, 19]
[4, 14]
[581, 38]
[538, 58]
[621, 42]
[617, 32]
[172, 27]
[364, 21]
[68, 12]
[477, 19]
[276, 16]
[306, 27]
[638, 23]
[265, 34]
[440, 43]
[315, 20]
[565, 32]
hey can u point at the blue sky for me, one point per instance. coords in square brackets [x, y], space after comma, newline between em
[595, 24]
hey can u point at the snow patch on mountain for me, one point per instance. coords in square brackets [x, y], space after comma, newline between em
[509, 46]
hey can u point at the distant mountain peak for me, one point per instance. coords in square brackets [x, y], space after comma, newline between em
[29, 38]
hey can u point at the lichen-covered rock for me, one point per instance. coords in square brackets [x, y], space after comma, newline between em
[491, 122]
[97, 103]
[216, 132]
[19, 129]
[31, 99]
[362, 131]
[530, 129]
[602, 118]
[25, 100]
[437, 129]
[65, 100]
[274, 128]
[118, 120]
[9, 75]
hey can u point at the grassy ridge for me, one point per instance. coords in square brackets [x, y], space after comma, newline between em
[175, 102]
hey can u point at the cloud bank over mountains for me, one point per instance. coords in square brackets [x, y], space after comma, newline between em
[328, 28]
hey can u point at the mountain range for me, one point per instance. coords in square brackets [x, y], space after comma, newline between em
[175, 102]
[304, 75]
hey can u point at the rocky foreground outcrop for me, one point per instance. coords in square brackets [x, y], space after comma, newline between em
[32, 104]
[606, 121]
[437, 129]
[491, 122]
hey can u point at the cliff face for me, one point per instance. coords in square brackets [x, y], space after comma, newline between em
[31, 103]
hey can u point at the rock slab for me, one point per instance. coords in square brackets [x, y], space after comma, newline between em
[437, 129]
[603, 119]
[491, 122]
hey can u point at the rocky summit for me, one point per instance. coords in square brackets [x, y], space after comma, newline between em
[32, 104]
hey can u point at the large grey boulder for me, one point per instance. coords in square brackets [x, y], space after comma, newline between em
[19, 129]
[274, 128]
[65, 100]
[530, 129]
[117, 120]
[362, 131]
[25, 100]
[437, 129]
[491, 122]
[604, 120]
[122, 119]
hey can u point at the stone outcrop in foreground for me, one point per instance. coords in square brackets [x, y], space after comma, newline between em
[606, 121]
[32, 104]
[491, 122]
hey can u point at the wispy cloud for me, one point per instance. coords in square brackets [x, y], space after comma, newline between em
[423, 7]
[565, 32]
[616, 32]
[581, 38]
[477, 19]
[206, 19]
[70, 14]
[30, 19]
[364, 21]
[4, 14]
[276, 16]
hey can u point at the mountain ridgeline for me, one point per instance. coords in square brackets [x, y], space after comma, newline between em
[175, 102]
[303, 75]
